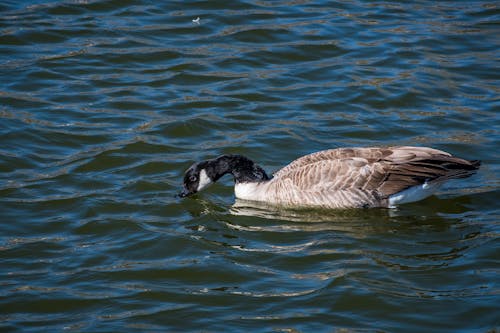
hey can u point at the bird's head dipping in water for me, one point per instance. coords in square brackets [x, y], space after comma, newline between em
[196, 179]
[200, 175]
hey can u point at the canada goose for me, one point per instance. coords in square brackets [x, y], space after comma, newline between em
[337, 178]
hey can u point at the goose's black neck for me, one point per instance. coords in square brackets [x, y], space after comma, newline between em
[242, 168]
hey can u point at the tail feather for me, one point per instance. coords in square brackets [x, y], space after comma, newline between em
[449, 167]
[436, 169]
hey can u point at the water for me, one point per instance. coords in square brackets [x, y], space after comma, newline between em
[104, 104]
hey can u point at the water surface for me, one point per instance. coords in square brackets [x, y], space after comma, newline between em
[104, 104]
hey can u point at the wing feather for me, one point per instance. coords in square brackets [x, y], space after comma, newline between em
[367, 175]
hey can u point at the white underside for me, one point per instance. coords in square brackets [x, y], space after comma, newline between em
[414, 193]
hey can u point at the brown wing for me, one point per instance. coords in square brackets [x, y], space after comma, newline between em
[410, 166]
[333, 183]
[370, 154]
[380, 172]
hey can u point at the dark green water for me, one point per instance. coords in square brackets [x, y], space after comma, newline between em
[104, 104]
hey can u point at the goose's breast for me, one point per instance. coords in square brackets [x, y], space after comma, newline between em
[251, 191]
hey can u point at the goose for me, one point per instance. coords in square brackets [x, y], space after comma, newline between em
[337, 178]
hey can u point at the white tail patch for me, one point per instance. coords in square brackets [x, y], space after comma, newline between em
[204, 180]
[414, 193]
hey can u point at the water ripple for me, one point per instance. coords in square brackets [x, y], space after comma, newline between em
[104, 104]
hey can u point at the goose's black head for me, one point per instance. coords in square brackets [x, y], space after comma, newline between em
[201, 175]
[196, 179]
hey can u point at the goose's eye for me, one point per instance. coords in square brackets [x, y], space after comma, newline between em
[193, 178]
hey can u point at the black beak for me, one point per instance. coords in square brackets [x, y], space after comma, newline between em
[184, 193]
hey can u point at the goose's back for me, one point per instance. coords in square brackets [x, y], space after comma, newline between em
[360, 177]
[370, 154]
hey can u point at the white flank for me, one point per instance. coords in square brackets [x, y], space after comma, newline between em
[204, 180]
[414, 193]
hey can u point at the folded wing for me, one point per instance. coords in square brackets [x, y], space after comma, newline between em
[365, 177]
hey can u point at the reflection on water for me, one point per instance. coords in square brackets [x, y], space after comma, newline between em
[314, 250]
[273, 212]
[429, 207]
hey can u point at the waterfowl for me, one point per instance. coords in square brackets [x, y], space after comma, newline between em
[337, 178]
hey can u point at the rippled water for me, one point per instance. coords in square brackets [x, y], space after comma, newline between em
[104, 104]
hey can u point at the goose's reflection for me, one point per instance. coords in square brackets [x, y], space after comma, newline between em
[432, 213]
[293, 219]
[273, 212]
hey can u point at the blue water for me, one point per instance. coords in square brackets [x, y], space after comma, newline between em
[104, 104]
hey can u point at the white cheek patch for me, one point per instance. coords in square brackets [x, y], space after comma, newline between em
[204, 180]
